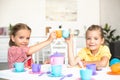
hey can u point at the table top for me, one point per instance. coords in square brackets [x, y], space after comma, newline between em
[28, 75]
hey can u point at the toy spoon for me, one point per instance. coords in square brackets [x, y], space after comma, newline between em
[81, 64]
[68, 75]
[27, 59]
[45, 73]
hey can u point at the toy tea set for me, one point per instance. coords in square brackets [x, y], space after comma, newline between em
[56, 61]
[19, 66]
[114, 67]
[62, 33]
[87, 72]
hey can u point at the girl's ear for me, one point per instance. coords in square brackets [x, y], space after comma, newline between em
[12, 38]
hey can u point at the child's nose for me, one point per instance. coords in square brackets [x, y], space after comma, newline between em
[25, 40]
[92, 41]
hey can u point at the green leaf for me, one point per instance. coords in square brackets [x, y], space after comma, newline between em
[109, 34]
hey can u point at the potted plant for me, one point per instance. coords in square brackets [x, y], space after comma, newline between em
[112, 40]
[110, 34]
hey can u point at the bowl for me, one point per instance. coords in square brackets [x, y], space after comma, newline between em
[115, 68]
[114, 61]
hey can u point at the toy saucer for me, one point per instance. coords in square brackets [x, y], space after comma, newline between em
[13, 70]
[81, 79]
[113, 73]
[30, 72]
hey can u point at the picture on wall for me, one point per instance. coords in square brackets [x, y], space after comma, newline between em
[61, 10]
[4, 31]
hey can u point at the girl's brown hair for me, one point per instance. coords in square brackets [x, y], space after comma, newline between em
[96, 27]
[15, 29]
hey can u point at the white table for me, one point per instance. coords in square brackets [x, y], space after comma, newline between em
[101, 75]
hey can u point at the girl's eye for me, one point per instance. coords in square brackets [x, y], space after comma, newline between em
[88, 38]
[21, 37]
[28, 38]
[96, 38]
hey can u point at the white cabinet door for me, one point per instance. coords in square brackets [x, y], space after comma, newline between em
[4, 45]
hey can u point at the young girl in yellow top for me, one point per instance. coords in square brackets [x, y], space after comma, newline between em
[95, 51]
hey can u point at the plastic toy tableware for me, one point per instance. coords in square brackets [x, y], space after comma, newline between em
[81, 64]
[65, 33]
[86, 74]
[81, 79]
[19, 67]
[62, 33]
[48, 72]
[115, 69]
[13, 70]
[68, 75]
[58, 33]
[56, 70]
[92, 67]
[36, 68]
[114, 61]
[27, 59]
[57, 59]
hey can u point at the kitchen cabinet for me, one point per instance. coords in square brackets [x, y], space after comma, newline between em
[4, 45]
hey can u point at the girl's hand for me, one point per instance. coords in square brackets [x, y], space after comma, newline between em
[84, 63]
[52, 36]
[70, 39]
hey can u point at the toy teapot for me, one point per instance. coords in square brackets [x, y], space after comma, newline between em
[57, 59]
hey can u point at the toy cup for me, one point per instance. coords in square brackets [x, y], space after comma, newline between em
[85, 74]
[92, 67]
[19, 66]
[62, 33]
[57, 59]
[56, 70]
[114, 61]
[65, 33]
[36, 68]
[58, 33]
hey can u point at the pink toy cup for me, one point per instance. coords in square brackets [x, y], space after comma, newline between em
[57, 59]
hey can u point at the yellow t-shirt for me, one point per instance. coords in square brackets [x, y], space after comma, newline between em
[86, 55]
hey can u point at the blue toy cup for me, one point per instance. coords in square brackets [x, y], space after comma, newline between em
[65, 33]
[19, 66]
[56, 70]
[86, 74]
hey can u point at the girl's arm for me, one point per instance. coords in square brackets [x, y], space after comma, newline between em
[102, 63]
[40, 45]
[72, 60]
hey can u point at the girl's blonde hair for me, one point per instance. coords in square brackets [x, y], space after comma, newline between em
[15, 29]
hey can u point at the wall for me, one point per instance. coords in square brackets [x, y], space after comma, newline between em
[32, 12]
[110, 13]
